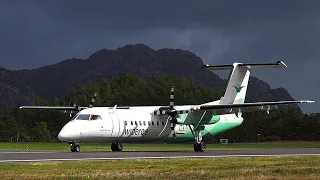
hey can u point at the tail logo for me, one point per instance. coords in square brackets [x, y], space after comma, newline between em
[238, 88]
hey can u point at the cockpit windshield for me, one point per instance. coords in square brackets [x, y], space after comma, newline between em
[88, 117]
[83, 117]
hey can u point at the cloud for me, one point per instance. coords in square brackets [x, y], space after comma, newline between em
[37, 33]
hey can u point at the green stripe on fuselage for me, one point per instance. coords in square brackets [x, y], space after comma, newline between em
[210, 130]
[198, 117]
[214, 124]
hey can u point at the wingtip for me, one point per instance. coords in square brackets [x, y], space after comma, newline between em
[307, 101]
[282, 64]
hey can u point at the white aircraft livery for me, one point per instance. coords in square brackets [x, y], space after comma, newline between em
[181, 123]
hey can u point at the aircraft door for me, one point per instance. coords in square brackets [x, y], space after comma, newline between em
[84, 131]
[106, 127]
[115, 124]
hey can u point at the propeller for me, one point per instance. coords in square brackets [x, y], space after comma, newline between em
[78, 108]
[75, 106]
[172, 112]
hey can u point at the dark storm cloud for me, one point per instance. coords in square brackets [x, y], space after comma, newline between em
[143, 14]
[101, 15]
[34, 33]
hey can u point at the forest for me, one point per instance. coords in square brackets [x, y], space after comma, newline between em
[285, 123]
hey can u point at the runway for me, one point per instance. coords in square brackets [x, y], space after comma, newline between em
[39, 156]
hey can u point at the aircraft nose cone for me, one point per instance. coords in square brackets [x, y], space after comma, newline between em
[63, 135]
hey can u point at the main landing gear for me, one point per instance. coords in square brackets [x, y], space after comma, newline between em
[199, 145]
[74, 147]
[116, 147]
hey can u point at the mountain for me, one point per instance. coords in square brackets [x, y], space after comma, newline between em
[13, 91]
[21, 86]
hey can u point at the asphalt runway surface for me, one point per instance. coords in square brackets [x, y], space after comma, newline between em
[40, 156]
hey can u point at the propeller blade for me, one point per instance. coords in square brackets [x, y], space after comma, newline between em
[171, 103]
[93, 100]
[71, 112]
[172, 126]
[172, 112]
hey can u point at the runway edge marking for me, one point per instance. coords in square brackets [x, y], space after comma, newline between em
[160, 157]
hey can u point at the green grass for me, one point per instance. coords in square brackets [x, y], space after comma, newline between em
[156, 147]
[202, 168]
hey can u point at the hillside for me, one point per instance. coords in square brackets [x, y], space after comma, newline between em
[13, 91]
[284, 124]
[20, 87]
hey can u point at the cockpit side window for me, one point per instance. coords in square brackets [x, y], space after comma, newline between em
[83, 117]
[95, 117]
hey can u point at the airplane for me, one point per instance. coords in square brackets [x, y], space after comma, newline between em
[172, 124]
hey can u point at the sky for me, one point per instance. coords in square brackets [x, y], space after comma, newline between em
[36, 33]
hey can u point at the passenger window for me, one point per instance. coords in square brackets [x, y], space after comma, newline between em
[131, 122]
[95, 117]
[152, 123]
[83, 117]
[148, 123]
[162, 123]
[144, 123]
[140, 123]
[135, 123]
[157, 123]
[125, 122]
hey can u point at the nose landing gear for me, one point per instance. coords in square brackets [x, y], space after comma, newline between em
[74, 147]
[116, 147]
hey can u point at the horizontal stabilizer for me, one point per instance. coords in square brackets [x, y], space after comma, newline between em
[278, 64]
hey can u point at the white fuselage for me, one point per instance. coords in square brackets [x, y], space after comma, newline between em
[137, 124]
[116, 125]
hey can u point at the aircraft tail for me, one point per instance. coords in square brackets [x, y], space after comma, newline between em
[238, 80]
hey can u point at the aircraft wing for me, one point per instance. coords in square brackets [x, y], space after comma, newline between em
[62, 108]
[219, 109]
[246, 107]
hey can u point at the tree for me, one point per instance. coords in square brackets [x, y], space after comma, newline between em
[42, 132]
[129, 90]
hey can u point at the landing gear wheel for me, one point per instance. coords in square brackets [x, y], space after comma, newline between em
[75, 147]
[119, 146]
[116, 147]
[202, 147]
[195, 147]
[199, 147]
[113, 146]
